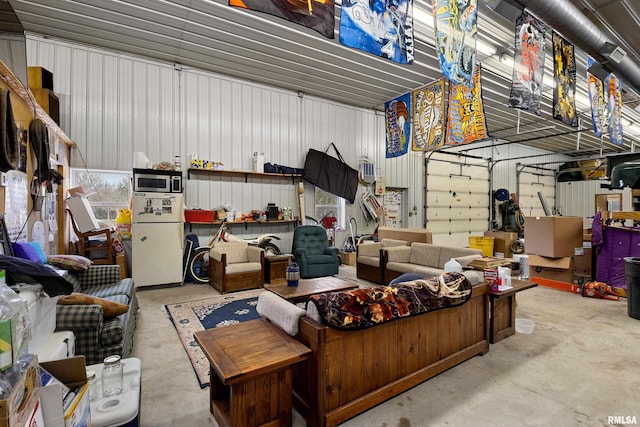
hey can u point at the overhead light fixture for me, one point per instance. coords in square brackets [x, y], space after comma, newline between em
[423, 17]
[485, 48]
[613, 52]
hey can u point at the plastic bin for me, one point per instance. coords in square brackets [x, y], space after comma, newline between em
[485, 244]
[632, 275]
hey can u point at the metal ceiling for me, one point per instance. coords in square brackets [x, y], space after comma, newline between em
[210, 35]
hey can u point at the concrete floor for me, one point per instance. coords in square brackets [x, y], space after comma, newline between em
[579, 367]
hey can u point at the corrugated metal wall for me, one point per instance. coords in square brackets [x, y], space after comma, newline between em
[113, 105]
[578, 198]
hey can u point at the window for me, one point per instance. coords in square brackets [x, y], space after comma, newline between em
[107, 191]
[330, 203]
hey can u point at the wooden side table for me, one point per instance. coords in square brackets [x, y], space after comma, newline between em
[503, 310]
[275, 268]
[251, 372]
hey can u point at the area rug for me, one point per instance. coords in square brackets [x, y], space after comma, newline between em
[214, 312]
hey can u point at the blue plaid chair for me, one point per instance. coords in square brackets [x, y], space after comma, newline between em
[95, 336]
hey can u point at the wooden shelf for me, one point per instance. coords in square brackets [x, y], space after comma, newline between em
[277, 221]
[274, 221]
[246, 174]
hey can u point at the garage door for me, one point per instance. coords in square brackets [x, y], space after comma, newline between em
[532, 180]
[457, 198]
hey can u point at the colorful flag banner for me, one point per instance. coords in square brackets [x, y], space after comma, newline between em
[466, 122]
[428, 119]
[596, 99]
[397, 114]
[381, 27]
[456, 33]
[528, 64]
[614, 108]
[318, 15]
[564, 74]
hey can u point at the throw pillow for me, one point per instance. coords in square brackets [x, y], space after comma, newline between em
[28, 251]
[37, 249]
[109, 308]
[70, 262]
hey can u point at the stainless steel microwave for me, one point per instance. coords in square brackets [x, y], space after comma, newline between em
[157, 181]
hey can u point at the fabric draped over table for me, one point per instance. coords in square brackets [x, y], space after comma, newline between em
[366, 307]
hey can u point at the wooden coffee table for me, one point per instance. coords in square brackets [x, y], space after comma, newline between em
[251, 372]
[308, 287]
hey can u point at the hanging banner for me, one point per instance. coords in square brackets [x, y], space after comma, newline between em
[381, 27]
[318, 15]
[564, 74]
[528, 64]
[456, 34]
[427, 123]
[596, 100]
[398, 125]
[466, 121]
[614, 108]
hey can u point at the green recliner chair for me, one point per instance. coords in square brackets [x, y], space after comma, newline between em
[312, 252]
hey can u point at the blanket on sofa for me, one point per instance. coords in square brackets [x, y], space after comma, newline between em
[363, 308]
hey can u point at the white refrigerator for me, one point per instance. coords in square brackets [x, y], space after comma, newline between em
[157, 236]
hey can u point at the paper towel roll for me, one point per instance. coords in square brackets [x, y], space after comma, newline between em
[140, 161]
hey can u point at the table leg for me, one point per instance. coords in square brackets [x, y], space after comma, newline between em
[503, 317]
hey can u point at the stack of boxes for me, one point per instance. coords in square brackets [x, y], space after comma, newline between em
[41, 86]
[552, 242]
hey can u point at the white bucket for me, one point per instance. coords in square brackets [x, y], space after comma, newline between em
[525, 326]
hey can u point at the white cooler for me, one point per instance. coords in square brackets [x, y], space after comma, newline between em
[122, 409]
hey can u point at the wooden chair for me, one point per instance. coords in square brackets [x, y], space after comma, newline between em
[99, 250]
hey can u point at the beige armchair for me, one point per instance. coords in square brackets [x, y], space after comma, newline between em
[234, 266]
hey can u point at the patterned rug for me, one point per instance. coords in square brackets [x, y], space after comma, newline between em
[214, 312]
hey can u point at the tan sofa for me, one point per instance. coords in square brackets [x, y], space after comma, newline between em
[428, 259]
[370, 256]
[370, 259]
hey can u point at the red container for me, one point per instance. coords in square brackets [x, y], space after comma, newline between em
[198, 215]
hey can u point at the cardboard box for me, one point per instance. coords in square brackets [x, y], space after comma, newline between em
[420, 235]
[552, 236]
[40, 78]
[21, 403]
[558, 269]
[348, 258]
[502, 241]
[82, 213]
[583, 263]
[49, 103]
[72, 373]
